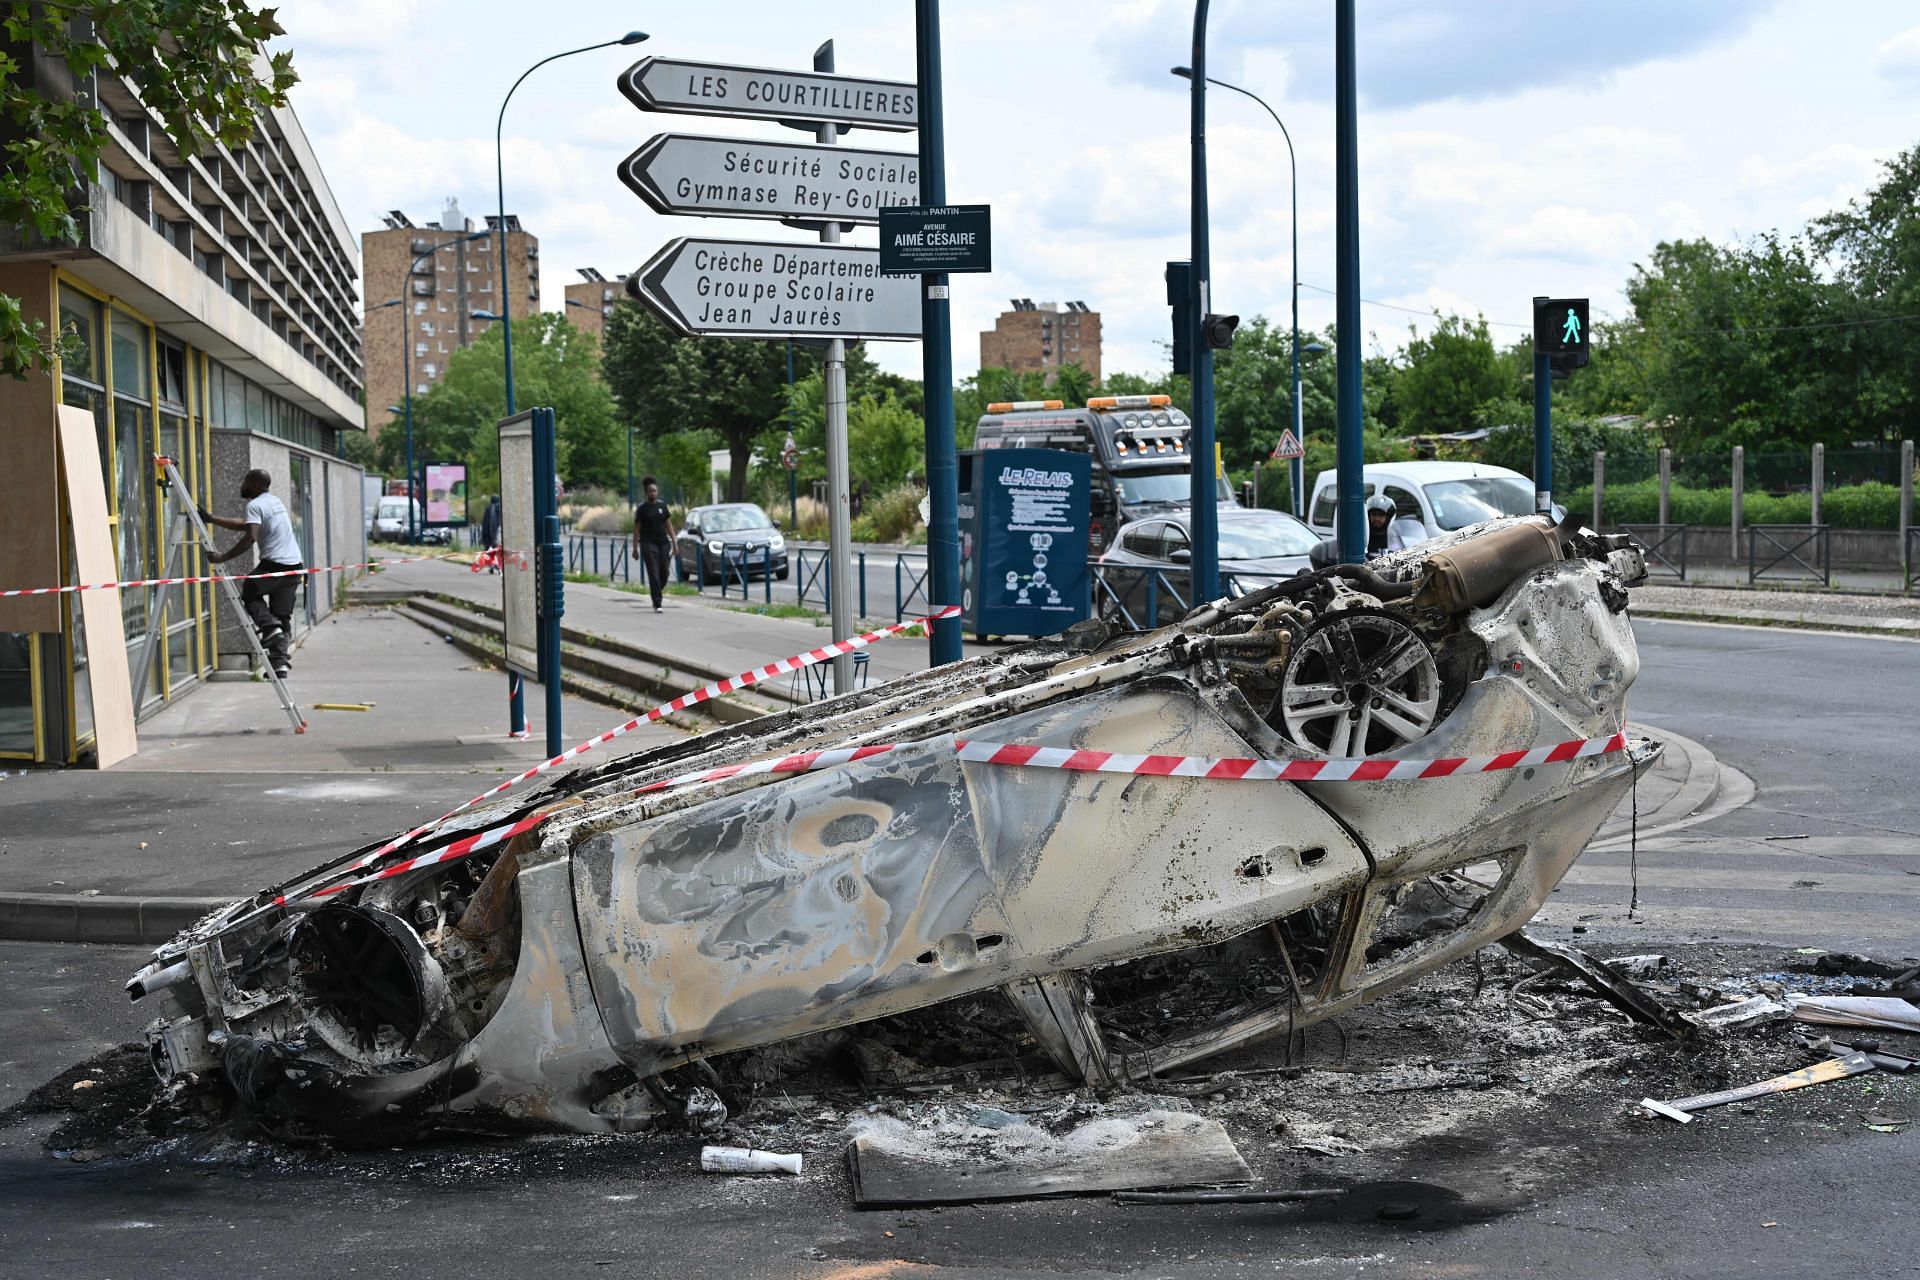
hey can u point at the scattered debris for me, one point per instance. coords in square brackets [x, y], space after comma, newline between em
[1614, 988]
[1819, 1073]
[1894, 1063]
[1639, 968]
[746, 1160]
[893, 1163]
[1880, 1122]
[1798, 837]
[1751, 1012]
[1888, 1013]
[344, 706]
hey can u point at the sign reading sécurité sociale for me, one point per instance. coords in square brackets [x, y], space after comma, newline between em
[955, 238]
[762, 93]
[743, 178]
[753, 289]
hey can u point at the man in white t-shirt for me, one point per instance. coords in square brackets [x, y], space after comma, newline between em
[268, 600]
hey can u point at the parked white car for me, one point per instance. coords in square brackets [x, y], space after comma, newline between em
[1440, 496]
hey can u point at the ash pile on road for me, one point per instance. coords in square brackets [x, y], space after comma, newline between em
[1510, 1074]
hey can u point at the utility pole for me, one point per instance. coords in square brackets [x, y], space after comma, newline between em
[1204, 518]
[936, 351]
[839, 497]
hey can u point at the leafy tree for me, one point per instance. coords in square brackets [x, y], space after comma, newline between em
[1874, 244]
[191, 61]
[666, 383]
[553, 365]
[1447, 375]
[886, 440]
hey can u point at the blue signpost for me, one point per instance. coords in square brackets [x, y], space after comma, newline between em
[936, 349]
[1350, 521]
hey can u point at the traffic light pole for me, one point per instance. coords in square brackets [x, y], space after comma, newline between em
[1204, 518]
[1351, 518]
[1542, 431]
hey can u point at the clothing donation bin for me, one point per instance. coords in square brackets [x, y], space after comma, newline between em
[1023, 541]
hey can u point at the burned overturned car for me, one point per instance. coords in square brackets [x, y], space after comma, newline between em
[1068, 828]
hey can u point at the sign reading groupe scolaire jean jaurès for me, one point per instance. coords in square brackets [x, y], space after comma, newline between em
[750, 289]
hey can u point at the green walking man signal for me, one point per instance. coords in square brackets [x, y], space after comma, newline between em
[1560, 331]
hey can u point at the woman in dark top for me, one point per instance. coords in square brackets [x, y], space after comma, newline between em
[653, 538]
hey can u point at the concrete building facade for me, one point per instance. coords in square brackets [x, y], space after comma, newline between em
[590, 301]
[210, 313]
[1041, 337]
[423, 285]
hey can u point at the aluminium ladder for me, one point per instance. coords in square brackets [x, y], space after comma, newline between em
[184, 516]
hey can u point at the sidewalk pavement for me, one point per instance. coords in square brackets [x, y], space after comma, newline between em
[1824, 610]
[224, 799]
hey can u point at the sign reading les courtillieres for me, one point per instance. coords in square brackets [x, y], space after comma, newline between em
[954, 238]
[742, 178]
[755, 289]
[762, 93]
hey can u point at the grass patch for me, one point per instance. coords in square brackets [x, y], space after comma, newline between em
[785, 609]
[588, 579]
[673, 588]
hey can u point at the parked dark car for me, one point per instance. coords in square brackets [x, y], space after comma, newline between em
[733, 539]
[1152, 556]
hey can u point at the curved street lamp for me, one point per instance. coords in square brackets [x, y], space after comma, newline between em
[1297, 473]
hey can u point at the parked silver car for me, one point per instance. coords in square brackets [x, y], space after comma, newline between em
[557, 957]
[1143, 578]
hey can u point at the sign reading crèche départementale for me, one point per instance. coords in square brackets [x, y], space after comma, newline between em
[754, 289]
[955, 238]
[742, 178]
[762, 93]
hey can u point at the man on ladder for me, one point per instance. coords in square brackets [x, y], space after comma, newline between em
[268, 601]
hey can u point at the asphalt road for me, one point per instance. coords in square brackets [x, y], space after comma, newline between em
[1823, 725]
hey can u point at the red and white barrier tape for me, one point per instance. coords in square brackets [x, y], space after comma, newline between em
[210, 577]
[1227, 769]
[812, 657]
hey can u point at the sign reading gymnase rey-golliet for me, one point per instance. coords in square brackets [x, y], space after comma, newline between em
[742, 178]
[751, 289]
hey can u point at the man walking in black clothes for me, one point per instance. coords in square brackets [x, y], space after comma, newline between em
[268, 601]
[490, 532]
[653, 538]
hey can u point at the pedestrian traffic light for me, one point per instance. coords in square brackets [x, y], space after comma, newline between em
[1560, 332]
[1180, 298]
[1217, 332]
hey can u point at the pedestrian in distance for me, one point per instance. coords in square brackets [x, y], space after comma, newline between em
[490, 531]
[653, 535]
[1384, 532]
[268, 601]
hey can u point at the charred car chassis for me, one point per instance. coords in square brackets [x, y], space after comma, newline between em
[555, 978]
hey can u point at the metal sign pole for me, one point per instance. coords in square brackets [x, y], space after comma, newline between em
[1350, 522]
[839, 500]
[936, 354]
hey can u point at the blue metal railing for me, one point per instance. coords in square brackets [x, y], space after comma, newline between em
[915, 588]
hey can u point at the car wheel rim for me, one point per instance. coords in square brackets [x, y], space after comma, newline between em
[1360, 684]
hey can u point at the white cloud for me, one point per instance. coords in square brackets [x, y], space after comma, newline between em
[1899, 56]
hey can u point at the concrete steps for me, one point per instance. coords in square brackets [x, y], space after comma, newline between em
[605, 670]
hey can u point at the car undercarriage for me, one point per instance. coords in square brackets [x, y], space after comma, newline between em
[653, 919]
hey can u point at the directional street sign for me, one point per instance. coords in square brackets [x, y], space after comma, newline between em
[760, 93]
[740, 178]
[752, 289]
[1288, 447]
[950, 239]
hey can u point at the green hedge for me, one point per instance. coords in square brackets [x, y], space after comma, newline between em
[1862, 506]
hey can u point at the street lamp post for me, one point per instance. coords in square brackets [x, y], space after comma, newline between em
[549, 534]
[1297, 470]
[1203, 518]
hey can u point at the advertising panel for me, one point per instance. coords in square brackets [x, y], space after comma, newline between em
[446, 493]
[1024, 541]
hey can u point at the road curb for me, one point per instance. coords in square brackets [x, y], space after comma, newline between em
[1896, 627]
[102, 918]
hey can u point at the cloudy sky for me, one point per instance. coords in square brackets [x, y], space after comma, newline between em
[1507, 147]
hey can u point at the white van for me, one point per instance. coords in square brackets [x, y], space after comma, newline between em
[390, 519]
[1441, 496]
